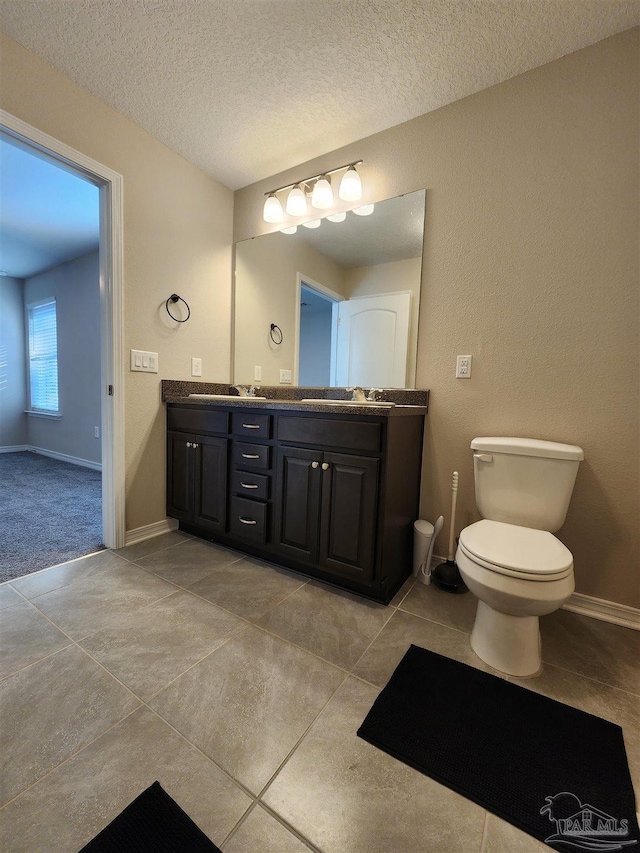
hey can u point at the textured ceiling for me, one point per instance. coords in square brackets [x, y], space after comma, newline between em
[248, 88]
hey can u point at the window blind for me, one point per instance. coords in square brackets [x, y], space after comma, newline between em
[43, 356]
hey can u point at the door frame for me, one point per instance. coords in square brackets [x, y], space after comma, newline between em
[110, 184]
[307, 281]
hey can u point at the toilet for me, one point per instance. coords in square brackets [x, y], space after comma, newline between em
[510, 560]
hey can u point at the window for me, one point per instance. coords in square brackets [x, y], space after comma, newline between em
[43, 356]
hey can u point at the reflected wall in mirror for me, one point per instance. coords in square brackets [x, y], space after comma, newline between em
[346, 296]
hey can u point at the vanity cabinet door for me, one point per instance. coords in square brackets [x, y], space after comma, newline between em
[348, 519]
[210, 483]
[180, 473]
[298, 502]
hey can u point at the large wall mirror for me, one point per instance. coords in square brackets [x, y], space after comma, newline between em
[345, 297]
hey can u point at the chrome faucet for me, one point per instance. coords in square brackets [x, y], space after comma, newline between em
[372, 396]
[358, 394]
[243, 391]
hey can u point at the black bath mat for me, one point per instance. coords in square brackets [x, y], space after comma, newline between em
[152, 823]
[553, 771]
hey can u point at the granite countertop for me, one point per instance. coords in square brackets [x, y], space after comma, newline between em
[407, 401]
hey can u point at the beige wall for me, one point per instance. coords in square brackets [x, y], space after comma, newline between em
[76, 289]
[177, 238]
[13, 378]
[266, 281]
[388, 278]
[531, 265]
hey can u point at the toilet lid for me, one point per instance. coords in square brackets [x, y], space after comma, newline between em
[519, 549]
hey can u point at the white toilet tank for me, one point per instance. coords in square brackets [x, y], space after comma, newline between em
[524, 481]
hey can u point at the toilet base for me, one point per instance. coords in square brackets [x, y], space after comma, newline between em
[510, 644]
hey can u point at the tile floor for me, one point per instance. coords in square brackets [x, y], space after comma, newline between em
[240, 687]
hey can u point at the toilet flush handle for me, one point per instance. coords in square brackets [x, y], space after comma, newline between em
[483, 457]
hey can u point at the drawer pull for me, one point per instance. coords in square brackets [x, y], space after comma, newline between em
[249, 485]
[325, 466]
[247, 520]
[251, 456]
[314, 464]
[251, 426]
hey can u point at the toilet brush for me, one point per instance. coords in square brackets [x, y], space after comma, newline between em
[446, 576]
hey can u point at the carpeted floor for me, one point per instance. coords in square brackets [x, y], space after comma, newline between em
[50, 512]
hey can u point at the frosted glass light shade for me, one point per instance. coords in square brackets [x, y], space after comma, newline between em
[322, 196]
[296, 202]
[365, 210]
[350, 185]
[337, 217]
[291, 230]
[315, 223]
[272, 209]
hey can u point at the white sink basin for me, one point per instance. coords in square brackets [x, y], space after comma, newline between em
[225, 397]
[323, 402]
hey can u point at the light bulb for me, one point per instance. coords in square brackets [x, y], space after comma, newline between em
[350, 185]
[291, 230]
[272, 209]
[337, 217]
[365, 210]
[296, 202]
[315, 223]
[322, 196]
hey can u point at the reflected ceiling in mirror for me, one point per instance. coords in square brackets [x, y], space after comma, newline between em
[345, 295]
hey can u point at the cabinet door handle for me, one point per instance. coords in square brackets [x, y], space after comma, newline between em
[195, 445]
[248, 485]
[251, 426]
[251, 456]
[325, 466]
[247, 520]
[188, 444]
[314, 464]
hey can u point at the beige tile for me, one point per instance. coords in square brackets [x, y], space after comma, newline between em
[67, 573]
[590, 647]
[248, 587]
[400, 595]
[260, 831]
[150, 546]
[148, 648]
[455, 611]
[345, 795]
[248, 703]
[602, 700]
[8, 596]
[502, 837]
[95, 603]
[189, 562]
[70, 806]
[50, 710]
[333, 624]
[403, 629]
[26, 636]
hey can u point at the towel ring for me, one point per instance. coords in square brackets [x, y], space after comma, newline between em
[175, 298]
[278, 337]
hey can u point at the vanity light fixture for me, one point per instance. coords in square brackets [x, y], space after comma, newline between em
[319, 188]
[272, 209]
[337, 217]
[291, 230]
[315, 223]
[365, 210]
[296, 202]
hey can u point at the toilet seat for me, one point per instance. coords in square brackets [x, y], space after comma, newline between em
[523, 552]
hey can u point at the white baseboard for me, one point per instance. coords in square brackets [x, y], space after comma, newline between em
[606, 611]
[73, 460]
[148, 531]
[14, 448]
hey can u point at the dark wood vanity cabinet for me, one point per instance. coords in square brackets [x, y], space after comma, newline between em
[333, 496]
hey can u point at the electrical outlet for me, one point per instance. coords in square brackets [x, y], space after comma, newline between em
[257, 373]
[96, 432]
[147, 362]
[463, 367]
[196, 367]
[285, 377]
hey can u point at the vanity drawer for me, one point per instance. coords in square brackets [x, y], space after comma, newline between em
[248, 519]
[251, 455]
[249, 425]
[352, 435]
[251, 485]
[197, 420]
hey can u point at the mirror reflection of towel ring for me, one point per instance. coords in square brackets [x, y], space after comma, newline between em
[175, 298]
[275, 333]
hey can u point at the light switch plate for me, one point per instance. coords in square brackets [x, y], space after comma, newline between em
[257, 373]
[285, 377]
[145, 362]
[196, 367]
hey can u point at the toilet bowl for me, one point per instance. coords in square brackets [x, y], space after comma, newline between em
[517, 574]
[510, 560]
